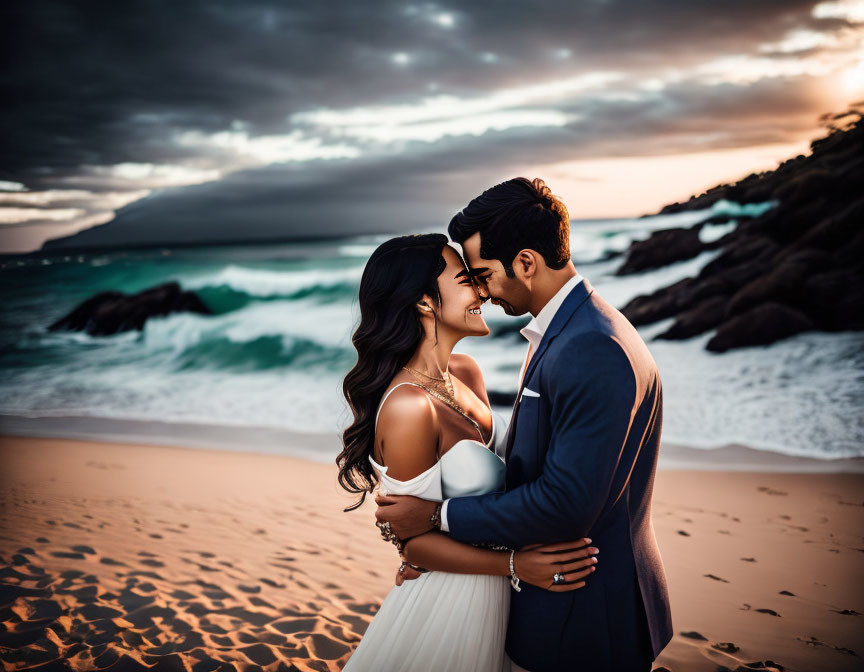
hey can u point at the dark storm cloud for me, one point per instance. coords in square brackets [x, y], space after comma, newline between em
[105, 83]
[109, 82]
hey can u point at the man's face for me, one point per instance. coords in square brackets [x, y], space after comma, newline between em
[509, 293]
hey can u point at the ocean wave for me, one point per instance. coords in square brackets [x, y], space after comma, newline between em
[223, 299]
[262, 353]
[261, 335]
[235, 287]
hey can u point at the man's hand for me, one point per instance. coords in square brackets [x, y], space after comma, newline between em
[574, 561]
[408, 516]
[406, 573]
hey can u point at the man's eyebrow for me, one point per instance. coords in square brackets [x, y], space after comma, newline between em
[470, 272]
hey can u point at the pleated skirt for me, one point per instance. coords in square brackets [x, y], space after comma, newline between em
[437, 622]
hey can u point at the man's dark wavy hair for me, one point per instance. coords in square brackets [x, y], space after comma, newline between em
[515, 215]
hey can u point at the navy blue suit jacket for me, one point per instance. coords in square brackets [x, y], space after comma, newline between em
[581, 458]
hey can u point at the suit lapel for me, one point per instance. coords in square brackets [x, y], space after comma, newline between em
[577, 296]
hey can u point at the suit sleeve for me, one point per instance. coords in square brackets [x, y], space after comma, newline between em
[592, 391]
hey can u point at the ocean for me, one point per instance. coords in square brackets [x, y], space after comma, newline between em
[274, 353]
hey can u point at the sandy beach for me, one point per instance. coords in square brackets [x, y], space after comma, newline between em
[130, 556]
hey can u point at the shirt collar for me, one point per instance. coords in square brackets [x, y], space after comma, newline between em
[538, 325]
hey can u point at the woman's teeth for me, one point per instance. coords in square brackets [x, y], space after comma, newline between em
[474, 311]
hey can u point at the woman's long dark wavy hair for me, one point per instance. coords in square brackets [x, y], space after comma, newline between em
[394, 281]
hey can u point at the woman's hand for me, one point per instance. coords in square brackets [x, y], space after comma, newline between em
[538, 564]
[406, 573]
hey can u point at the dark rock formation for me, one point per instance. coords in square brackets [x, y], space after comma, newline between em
[707, 315]
[112, 312]
[797, 267]
[662, 248]
[762, 325]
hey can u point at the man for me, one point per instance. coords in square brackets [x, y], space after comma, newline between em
[581, 447]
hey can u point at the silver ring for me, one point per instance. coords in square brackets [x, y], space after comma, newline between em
[558, 578]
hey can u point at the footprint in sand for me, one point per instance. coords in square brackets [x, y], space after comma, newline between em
[698, 636]
[151, 562]
[725, 647]
[295, 626]
[771, 491]
[683, 533]
[369, 608]
[749, 559]
[358, 624]
[716, 578]
[786, 592]
[816, 642]
[69, 555]
[272, 583]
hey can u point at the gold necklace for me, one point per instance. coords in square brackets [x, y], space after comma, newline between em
[446, 397]
[448, 384]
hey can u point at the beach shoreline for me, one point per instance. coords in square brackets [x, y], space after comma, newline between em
[197, 559]
[323, 448]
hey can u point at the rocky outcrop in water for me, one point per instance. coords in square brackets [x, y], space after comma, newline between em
[797, 267]
[112, 312]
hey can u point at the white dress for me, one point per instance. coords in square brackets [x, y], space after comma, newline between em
[442, 622]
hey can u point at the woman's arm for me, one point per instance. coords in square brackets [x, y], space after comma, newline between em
[435, 550]
[537, 565]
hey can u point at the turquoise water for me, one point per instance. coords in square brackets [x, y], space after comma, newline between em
[278, 344]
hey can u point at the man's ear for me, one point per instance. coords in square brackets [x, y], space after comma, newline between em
[526, 260]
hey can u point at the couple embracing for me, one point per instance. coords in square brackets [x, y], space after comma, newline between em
[500, 532]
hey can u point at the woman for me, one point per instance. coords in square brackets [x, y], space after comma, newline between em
[423, 426]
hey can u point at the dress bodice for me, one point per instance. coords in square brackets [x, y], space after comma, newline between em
[469, 467]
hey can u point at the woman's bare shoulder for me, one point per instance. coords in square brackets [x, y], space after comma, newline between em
[407, 432]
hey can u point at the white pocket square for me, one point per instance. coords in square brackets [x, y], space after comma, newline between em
[529, 393]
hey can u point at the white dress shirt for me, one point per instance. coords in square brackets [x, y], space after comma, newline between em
[533, 331]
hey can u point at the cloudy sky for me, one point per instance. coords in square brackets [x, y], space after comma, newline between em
[203, 120]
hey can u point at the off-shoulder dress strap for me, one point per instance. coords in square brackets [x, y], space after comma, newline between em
[384, 398]
[389, 392]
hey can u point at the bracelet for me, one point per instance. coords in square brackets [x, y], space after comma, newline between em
[435, 519]
[514, 580]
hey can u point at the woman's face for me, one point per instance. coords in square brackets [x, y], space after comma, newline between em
[460, 300]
